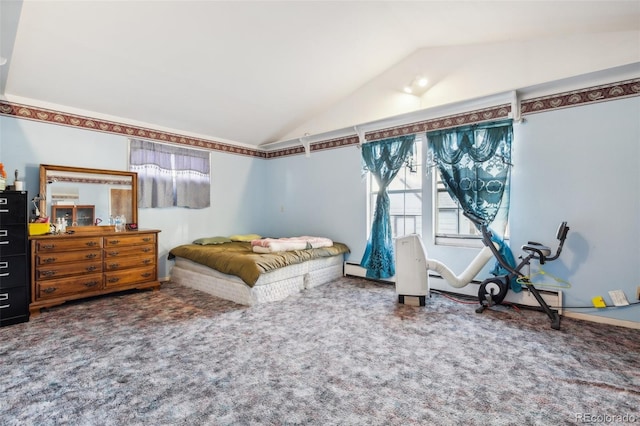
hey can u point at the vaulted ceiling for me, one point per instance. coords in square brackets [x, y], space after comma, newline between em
[255, 72]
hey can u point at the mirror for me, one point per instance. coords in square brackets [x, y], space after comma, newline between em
[87, 197]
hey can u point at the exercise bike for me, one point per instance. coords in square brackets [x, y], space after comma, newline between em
[493, 290]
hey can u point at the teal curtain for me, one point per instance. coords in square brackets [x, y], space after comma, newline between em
[383, 159]
[474, 162]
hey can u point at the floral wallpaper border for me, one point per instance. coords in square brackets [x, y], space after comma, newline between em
[606, 92]
[64, 119]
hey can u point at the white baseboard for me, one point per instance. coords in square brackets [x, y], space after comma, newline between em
[355, 270]
[524, 298]
[603, 320]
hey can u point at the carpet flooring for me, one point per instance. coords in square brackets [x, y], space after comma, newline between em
[345, 353]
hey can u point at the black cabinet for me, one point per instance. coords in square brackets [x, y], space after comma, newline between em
[14, 267]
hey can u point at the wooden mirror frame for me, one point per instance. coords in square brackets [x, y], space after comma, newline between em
[44, 168]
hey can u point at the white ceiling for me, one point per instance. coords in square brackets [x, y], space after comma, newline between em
[251, 72]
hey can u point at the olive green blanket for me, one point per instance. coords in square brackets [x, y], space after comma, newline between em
[237, 258]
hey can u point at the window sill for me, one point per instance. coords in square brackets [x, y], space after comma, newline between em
[461, 242]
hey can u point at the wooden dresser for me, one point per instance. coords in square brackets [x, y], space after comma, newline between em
[84, 264]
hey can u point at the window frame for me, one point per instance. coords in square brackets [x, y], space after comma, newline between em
[457, 240]
[429, 179]
[372, 193]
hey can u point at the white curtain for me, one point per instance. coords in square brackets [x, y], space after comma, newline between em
[170, 176]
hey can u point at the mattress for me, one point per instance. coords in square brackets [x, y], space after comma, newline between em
[238, 258]
[271, 286]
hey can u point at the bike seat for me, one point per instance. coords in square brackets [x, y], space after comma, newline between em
[538, 250]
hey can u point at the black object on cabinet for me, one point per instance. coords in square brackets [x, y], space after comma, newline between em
[14, 266]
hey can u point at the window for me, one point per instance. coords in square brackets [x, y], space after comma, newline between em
[473, 163]
[451, 227]
[450, 221]
[405, 195]
[169, 175]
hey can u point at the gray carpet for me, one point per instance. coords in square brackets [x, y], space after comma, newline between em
[344, 353]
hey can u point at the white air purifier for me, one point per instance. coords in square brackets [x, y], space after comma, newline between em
[412, 279]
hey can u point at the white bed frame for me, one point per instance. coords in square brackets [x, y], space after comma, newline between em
[271, 286]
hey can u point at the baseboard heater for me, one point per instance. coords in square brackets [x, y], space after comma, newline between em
[436, 282]
[355, 270]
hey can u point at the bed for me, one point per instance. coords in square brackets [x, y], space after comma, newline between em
[232, 270]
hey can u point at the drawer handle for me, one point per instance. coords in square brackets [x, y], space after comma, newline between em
[49, 290]
[90, 268]
[49, 260]
[48, 273]
[91, 256]
[3, 232]
[4, 296]
[114, 265]
[146, 275]
[4, 243]
[4, 210]
[6, 274]
[91, 283]
[147, 239]
[114, 279]
[4, 265]
[114, 253]
[146, 250]
[147, 261]
[48, 246]
[3, 201]
[114, 242]
[92, 243]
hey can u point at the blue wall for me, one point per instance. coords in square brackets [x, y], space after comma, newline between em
[324, 194]
[578, 164]
[237, 190]
[582, 165]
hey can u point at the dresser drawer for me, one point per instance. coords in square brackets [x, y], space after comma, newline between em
[13, 208]
[67, 256]
[50, 289]
[14, 303]
[13, 239]
[90, 262]
[63, 244]
[129, 276]
[67, 269]
[13, 271]
[126, 251]
[129, 240]
[115, 263]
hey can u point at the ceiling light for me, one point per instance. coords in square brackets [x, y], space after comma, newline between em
[417, 87]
